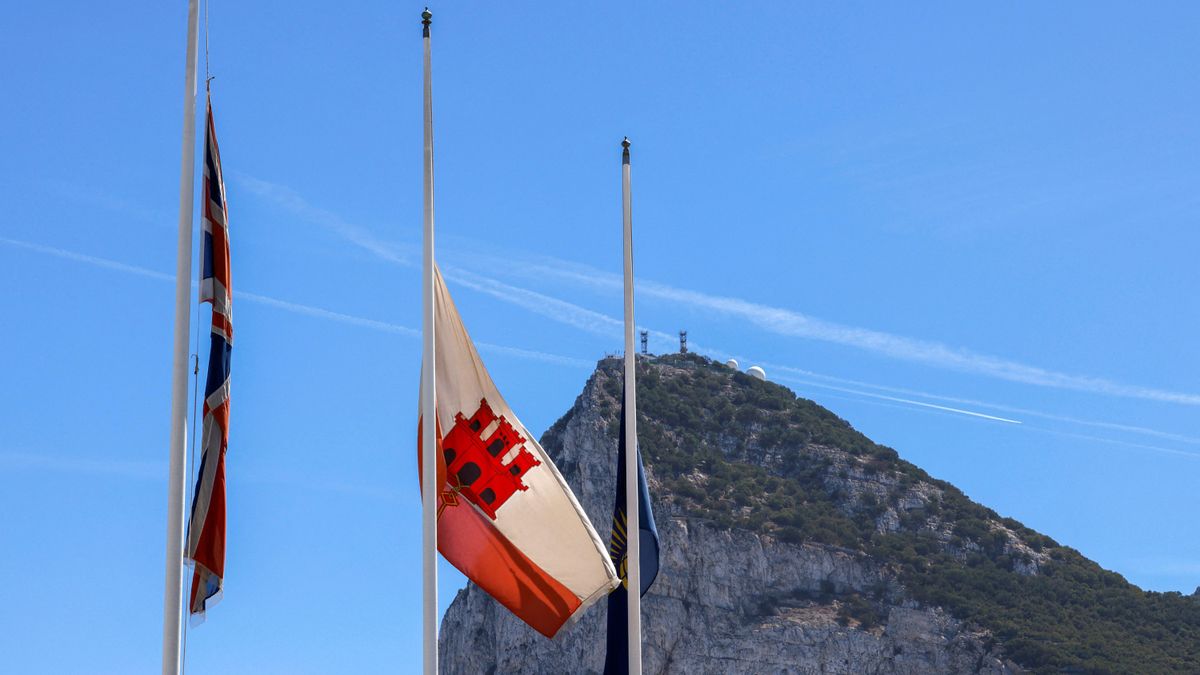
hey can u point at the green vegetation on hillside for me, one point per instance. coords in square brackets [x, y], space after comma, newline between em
[746, 454]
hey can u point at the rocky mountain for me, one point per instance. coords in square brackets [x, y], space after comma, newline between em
[793, 544]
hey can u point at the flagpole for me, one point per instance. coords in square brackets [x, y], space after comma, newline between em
[428, 395]
[633, 570]
[176, 488]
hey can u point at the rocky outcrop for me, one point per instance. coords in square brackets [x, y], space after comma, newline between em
[730, 600]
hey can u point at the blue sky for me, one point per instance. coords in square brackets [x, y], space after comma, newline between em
[890, 208]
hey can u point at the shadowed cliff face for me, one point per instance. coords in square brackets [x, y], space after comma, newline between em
[793, 544]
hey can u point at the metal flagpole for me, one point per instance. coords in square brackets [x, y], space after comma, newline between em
[428, 382]
[633, 571]
[176, 489]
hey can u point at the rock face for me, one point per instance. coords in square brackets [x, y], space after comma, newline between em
[790, 543]
[726, 600]
[714, 610]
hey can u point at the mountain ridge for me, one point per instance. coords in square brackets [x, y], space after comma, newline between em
[859, 552]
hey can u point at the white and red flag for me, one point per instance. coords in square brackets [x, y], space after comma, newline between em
[506, 518]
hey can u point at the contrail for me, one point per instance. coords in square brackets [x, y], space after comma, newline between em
[319, 313]
[545, 357]
[552, 308]
[142, 470]
[791, 323]
[1113, 426]
[295, 308]
[1113, 441]
[94, 467]
[872, 401]
[596, 319]
[290, 200]
[558, 310]
[776, 320]
[772, 319]
[538, 303]
[601, 324]
[547, 306]
[89, 259]
[868, 394]
[1042, 430]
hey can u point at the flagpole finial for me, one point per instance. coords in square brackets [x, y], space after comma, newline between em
[625, 144]
[625, 151]
[426, 19]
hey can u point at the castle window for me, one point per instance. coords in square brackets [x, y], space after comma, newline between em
[488, 495]
[496, 447]
[469, 473]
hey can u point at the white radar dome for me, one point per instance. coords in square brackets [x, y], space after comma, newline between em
[755, 371]
[732, 363]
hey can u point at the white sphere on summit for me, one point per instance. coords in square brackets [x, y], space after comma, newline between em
[755, 371]
[732, 363]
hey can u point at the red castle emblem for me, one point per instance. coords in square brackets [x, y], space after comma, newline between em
[475, 464]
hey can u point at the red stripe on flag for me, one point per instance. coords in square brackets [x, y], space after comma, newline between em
[220, 249]
[470, 542]
[210, 547]
[223, 326]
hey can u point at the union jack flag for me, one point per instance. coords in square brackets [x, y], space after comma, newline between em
[206, 529]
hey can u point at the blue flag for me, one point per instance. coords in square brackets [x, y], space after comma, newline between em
[616, 661]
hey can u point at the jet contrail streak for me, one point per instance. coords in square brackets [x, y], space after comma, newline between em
[295, 308]
[791, 323]
[83, 465]
[89, 259]
[882, 397]
[602, 324]
[1113, 426]
[1113, 441]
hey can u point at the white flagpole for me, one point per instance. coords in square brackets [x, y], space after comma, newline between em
[176, 487]
[428, 394]
[633, 570]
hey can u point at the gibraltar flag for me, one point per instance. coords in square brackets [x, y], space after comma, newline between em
[506, 518]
